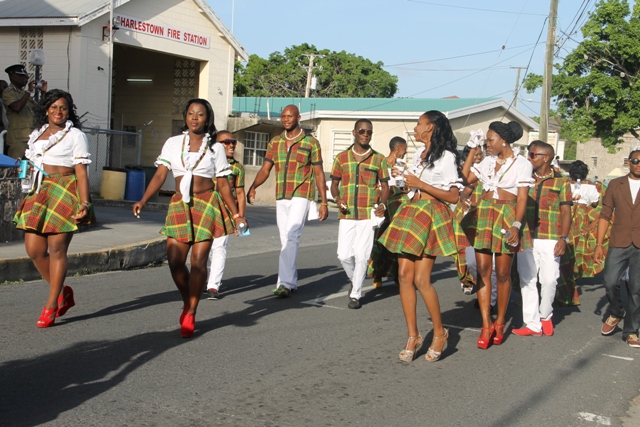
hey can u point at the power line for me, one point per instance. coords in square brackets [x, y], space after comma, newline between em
[458, 57]
[474, 8]
[528, 65]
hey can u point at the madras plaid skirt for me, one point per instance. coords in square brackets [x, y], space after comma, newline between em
[49, 211]
[423, 228]
[483, 222]
[205, 217]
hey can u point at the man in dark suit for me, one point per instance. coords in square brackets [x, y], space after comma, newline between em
[622, 196]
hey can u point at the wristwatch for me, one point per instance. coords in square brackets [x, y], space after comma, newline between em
[565, 238]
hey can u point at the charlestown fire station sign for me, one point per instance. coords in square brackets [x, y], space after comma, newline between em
[161, 30]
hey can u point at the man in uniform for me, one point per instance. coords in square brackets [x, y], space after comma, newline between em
[20, 109]
[548, 218]
[298, 162]
[355, 176]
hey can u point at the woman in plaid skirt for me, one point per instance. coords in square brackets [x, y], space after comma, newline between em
[58, 200]
[577, 261]
[493, 224]
[197, 214]
[423, 228]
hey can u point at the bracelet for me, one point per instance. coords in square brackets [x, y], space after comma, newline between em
[516, 224]
[598, 244]
[86, 204]
[383, 205]
[324, 204]
[236, 216]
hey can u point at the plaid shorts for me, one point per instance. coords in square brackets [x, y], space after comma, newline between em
[205, 217]
[49, 211]
[423, 228]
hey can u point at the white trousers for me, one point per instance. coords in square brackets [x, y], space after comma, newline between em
[216, 262]
[290, 217]
[355, 240]
[470, 255]
[535, 265]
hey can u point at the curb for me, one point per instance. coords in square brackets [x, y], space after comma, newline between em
[109, 259]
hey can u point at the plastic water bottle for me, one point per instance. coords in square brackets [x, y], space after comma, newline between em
[506, 235]
[26, 183]
[243, 230]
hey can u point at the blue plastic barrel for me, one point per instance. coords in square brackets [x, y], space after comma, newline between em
[134, 187]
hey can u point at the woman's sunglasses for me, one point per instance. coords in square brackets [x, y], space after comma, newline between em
[229, 141]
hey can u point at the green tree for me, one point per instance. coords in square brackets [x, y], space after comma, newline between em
[596, 87]
[342, 75]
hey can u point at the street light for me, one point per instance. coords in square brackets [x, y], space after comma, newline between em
[37, 57]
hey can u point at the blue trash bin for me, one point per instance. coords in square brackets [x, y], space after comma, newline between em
[134, 186]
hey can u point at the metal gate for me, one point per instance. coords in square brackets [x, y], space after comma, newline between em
[112, 149]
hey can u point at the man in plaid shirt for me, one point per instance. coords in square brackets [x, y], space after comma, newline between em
[355, 176]
[548, 221]
[298, 162]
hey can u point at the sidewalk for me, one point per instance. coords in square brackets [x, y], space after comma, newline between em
[122, 241]
[118, 241]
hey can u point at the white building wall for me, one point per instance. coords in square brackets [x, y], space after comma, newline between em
[185, 15]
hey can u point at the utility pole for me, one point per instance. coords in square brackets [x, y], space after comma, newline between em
[517, 89]
[310, 69]
[548, 67]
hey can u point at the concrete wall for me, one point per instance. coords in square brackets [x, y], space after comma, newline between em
[10, 198]
[598, 158]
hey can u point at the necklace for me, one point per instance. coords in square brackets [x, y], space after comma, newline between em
[295, 137]
[543, 177]
[503, 161]
[361, 155]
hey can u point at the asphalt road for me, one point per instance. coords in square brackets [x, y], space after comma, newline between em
[117, 359]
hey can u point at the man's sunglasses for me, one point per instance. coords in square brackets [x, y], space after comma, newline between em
[634, 161]
[533, 155]
[367, 131]
[229, 141]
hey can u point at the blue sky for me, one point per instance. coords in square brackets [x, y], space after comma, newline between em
[436, 48]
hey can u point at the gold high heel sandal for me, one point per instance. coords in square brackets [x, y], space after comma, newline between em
[433, 355]
[408, 355]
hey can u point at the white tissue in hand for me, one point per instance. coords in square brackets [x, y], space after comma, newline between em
[476, 138]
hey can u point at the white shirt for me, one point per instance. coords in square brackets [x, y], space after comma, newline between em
[635, 186]
[588, 193]
[515, 173]
[443, 174]
[177, 157]
[67, 147]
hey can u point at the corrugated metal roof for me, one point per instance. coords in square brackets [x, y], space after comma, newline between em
[276, 105]
[13, 9]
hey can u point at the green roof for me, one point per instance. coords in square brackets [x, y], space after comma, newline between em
[256, 105]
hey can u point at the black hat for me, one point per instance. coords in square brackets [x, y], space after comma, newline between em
[16, 69]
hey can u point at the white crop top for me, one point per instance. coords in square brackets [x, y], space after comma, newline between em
[206, 162]
[588, 193]
[515, 173]
[443, 174]
[68, 147]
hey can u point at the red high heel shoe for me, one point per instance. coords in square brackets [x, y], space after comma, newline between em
[484, 343]
[188, 325]
[185, 309]
[47, 318]
[497, 339]
[65, 301]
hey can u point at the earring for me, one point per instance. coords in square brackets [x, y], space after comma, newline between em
[422, 133]
[504, 145]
